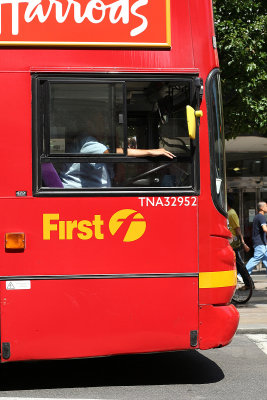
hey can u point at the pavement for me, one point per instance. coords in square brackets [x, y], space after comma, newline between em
[253, 315]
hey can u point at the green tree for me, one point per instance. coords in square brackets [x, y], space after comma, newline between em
[241, 33]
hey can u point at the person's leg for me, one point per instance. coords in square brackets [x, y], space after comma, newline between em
[240, 268]
[237, 263]
[259, 253]
[264, 260]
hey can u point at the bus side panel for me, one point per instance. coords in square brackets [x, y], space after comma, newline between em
[92, 317]
[165, 236]
[60, 315]
[85, 59]
[16, 142]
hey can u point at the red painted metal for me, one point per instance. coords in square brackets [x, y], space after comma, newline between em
[99, 317]
[217, 325]
[88, 317]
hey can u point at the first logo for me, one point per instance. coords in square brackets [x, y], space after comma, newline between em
[127, 225]
[131, 222]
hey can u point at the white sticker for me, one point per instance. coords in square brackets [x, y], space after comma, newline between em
[18, 285]
[218, 185]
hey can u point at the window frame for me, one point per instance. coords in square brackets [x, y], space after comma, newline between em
[40, 107]
[213, 74]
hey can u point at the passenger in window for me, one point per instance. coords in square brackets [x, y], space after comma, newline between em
[86, 174]
[99, 175]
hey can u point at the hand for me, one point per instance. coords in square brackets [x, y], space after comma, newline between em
[160, 152]
[246, 248]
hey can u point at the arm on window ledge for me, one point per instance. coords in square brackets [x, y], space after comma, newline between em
[147, 153]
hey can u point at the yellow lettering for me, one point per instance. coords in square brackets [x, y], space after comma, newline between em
[48, 226]
[87, 232]
[98, 222]
[85, 229]
[62, 230]
[71, 225]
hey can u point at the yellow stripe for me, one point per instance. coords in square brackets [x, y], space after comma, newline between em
[168, 22]
[217, 279]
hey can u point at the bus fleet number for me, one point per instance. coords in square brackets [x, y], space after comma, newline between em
[168, 201]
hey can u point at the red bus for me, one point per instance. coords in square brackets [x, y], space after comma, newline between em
[113, 219]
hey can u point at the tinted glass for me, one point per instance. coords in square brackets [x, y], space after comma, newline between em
[217, 130]
[85, 109]
[156, 115]
[96, 126]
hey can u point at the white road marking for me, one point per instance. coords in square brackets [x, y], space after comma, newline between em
[41, 398]
[260, 340]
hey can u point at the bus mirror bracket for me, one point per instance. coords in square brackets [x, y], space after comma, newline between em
[199, 89]
[191, 116]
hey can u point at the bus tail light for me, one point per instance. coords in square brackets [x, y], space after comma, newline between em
[15, 241]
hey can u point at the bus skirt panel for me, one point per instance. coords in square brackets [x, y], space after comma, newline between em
[75, 318]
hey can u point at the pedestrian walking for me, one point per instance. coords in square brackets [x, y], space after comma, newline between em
[238, 241]
[259, 238]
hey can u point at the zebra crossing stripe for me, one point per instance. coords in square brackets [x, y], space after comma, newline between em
[260, 340]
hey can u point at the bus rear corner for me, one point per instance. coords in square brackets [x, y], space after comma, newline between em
[217, 325]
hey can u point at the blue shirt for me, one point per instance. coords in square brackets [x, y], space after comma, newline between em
[258, 234]
[89, 175]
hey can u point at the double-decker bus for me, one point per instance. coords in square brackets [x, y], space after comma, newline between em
[113, 219]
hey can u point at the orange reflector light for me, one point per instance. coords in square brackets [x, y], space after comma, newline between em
[15, 241]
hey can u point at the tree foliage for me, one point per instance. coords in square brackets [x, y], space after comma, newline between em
[241, 38]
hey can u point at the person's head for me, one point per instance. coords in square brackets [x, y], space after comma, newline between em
[262, 206]
[93, 124]
[230, 201]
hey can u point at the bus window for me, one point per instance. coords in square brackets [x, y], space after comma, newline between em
[83, 109]
[217, 141]
[86, 130]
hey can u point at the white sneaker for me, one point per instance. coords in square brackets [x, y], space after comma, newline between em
[240, 279]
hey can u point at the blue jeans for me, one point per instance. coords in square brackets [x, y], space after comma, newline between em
[260, 254]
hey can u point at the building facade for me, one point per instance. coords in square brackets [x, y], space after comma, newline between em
[247, 177]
